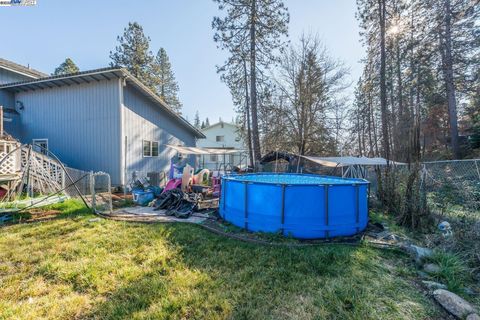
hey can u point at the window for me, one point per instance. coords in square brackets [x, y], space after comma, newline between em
[147, 148]
[150, 148]
[220, 138]
[154, 148]
[213, 158]
[40, 145]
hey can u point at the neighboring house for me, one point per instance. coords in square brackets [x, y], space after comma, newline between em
[100, 120]
[222, 135]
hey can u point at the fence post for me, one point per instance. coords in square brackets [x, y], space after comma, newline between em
[92, 189]
[109, 184]
[478, 171]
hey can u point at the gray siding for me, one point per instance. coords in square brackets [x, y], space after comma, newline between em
[144, 120]
[81, 123]
[7, 100]
[13, 126]
[8, 77]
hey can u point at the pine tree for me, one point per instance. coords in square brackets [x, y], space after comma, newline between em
[252, 31]
[66, 67]
[202, 126]
[196, 120]
[207, 123]
[164, 79]
[133, 53]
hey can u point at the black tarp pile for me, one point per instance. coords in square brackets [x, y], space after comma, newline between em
[177, 203]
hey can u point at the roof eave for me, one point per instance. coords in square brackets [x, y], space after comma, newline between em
[118, 72]
[164, 105]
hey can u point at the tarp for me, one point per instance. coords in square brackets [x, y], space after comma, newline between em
[350, 161]
[202, 151]
[278, 155]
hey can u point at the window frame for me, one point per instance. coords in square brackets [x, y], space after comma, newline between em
[35, 143]
[150, 142]
[151, 148]
[221, 140]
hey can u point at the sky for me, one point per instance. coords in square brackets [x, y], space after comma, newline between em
[86, 30]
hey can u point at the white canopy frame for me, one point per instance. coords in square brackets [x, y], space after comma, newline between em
[200, 151]
[355, 167]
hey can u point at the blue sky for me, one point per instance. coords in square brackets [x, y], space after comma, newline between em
[86, 30]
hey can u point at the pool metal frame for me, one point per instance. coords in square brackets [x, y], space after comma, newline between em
[232, 177]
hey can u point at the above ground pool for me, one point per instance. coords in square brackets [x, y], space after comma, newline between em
[303, 206]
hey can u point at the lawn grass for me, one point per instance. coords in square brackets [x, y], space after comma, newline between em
[71, 268]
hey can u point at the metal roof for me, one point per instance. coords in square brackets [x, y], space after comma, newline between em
[93, 76]
[18, 68]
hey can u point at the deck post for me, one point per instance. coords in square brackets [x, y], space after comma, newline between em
[1, 121]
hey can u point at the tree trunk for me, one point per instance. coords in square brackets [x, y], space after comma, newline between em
[247, 112]
[400, 134]
[448, 73]
[383, 88]
[253, 83]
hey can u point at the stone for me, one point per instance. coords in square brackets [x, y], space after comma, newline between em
[473, 316]
[393, 237]
[432, 285]
[422, 274]
[431, 268]
[384, 235]
[469, 291]
[419, 253]
[94, 220]
[453, 303]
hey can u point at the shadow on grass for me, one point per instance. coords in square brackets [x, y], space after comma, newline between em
[122, 270]
[210, 277]
[71, 208]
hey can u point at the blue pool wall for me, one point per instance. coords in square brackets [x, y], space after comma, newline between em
[303, 206]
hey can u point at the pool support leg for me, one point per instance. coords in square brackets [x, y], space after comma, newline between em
[223, 194]
[357, 206]
[246, 205]
[326, 211]
[282, 215]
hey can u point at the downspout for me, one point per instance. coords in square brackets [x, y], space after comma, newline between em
[123, 138]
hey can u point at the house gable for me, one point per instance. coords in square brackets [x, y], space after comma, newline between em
[230, 133]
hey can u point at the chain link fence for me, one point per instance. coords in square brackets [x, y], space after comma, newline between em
[81, 180]
[453, 184]
[449, 185]
[94, 187]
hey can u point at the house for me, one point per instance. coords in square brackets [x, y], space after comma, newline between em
[100, 120]
[227, 136]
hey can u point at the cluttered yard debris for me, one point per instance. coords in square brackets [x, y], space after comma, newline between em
[186, 194]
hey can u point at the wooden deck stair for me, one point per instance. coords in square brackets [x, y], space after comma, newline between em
[42, 173]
